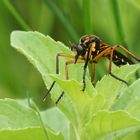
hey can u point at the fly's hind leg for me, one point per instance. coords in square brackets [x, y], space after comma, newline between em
[128, 52]
[110, 68]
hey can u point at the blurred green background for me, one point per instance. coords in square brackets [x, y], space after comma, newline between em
[114, 21]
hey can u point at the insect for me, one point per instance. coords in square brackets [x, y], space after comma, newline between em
[90, 50]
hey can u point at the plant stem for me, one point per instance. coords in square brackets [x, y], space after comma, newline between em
[12, 10]
[62, 19]
[87, 19]
[35, 108]
[118, 23]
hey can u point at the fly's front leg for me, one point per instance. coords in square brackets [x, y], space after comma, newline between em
[57, 71]
[57, 60]
[71, 62]
[92, 72]
[85, 69]
[67, 77]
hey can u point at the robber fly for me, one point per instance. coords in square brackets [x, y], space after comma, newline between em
[90, 50]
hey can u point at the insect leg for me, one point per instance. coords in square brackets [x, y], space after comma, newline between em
[128, 52]
[57, 60]
[57, 70]
[84, 73]
[92, 72]
[110, 68]
[59, 98]
[66, 68]
[71, 62]
[49, 91]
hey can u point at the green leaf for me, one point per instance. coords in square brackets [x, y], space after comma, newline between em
[80, 101]
[56, 121]
[130, 100]
[12, 113]
[133, 136]
[91, 113]
[54, 136]
[106, 123]
[111, 88]
[17, 120]
[41, 51]
[20, 122]
[22, 134]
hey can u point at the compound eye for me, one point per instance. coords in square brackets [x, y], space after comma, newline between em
[80, 50]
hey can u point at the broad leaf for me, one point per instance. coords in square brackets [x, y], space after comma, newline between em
[56, 121]
[41, 51]
[130, 100]
[80, 101]
[20, 122]
[107, 123]
[98, 113]
[88, 112]
[111, 88]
